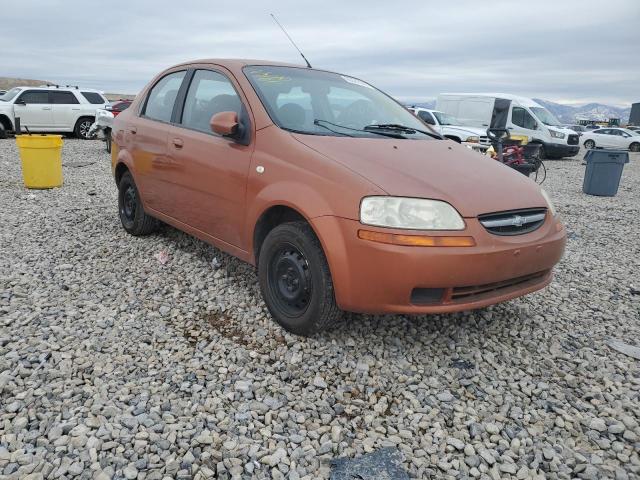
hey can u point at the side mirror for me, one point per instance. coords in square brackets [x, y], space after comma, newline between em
[19, 102]
[225, 124]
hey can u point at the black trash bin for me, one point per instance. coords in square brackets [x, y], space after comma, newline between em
[604, 169]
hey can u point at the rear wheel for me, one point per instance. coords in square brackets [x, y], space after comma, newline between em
[634, 147]
[3, 132]
[589, 144]
[132, 215]
[83, 125]
[295, 279]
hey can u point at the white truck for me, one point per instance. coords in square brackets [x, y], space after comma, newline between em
[50, 109]
[450, 127]
[524, 117]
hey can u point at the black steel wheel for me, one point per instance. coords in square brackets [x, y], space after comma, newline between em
[295, 279]
[130, 209]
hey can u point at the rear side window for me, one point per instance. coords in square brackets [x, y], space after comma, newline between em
[209, 93]
[64, 98]
[34, 96]
[522, 118]
[162, 96]
[93, 97]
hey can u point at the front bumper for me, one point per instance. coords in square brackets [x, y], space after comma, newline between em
[372, 277]
[561, 150]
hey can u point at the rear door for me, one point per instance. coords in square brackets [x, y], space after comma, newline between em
[605, 138]
[33, 107]
[147, 136]
[65, 107]
[210, 172]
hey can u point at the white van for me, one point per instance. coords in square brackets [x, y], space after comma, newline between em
[525, 117]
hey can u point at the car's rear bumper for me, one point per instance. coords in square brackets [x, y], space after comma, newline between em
[371, 277]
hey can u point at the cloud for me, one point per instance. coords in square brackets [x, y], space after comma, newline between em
[575, 50]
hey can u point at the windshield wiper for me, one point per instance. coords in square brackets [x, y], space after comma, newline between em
[320, 122]
[400, 128]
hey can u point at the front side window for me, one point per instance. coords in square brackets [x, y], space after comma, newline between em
[162, 96]
[314, 102]
[34, 96]
[522, 118]
[209, 93]
[94, 98]
[446, 119]
[63, 98]
[427, 117]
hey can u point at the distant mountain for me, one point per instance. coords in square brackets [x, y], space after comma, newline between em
[6, 83]
[590, 111]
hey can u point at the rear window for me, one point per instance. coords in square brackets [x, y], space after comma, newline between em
[94, 98]
[65, 98]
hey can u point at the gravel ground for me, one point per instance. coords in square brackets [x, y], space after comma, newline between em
[115, 365]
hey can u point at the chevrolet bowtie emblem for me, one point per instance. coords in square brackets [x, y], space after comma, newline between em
[517, 221]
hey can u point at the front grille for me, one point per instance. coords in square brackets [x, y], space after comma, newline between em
[484, 140]
[513, 222]
[572, 140]
[460, 293]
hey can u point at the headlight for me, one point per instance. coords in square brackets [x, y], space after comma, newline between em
[555, 134]
[473, 139]
[410, 213]
[546, 196]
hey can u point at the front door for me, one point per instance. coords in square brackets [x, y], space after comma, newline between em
[34, 110]
[522, 122]
[210, 171]
[65, 107]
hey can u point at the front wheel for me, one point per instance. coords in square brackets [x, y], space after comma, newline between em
[634, 147]
[295, 279]
[589, 144]
[132, 215]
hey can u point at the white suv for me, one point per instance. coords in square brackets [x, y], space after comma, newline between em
[50, 109]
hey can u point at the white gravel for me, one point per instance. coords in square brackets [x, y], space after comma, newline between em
[115, 365]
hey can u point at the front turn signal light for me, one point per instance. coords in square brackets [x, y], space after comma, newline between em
[416, 240]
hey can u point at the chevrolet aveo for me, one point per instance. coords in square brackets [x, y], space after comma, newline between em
[340, 196]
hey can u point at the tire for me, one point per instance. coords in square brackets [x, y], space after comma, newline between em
[589, 144]
[132, 215]
[295, 280]
[634, 147]
[3, 132]
[542, 155]
[82, 127]
[108, 140]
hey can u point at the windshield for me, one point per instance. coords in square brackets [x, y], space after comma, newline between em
[10, 94]
[546, 117]
[323, 103]
[446, 119]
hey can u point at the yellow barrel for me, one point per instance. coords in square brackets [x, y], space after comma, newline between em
[41, 157]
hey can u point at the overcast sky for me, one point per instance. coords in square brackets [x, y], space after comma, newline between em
[569, 51]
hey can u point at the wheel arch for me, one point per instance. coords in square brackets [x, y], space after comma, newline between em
[6, 122]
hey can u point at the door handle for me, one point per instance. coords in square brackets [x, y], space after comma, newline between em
[46, 108]
[177, 142]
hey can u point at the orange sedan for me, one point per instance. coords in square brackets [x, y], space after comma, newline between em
[338, 194]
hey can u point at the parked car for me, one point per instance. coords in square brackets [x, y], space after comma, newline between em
[2, 92]
[592, 127]
[339, 195]
[451, 128]
[633, 128]
[50, 109]
[524, 117]
[118, 106]
[579, 129]
[618, 138]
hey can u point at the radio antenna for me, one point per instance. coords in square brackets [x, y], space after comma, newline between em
[291, 40]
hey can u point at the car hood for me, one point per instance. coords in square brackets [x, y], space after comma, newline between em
[468, 131]
[435, 169]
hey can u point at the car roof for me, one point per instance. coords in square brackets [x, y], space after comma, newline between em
[58, 87]
[236, 63]
[528, 102]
